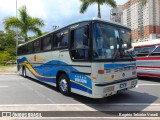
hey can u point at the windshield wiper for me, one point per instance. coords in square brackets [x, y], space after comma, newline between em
[116, 54]
[117, 51]
[128, 51]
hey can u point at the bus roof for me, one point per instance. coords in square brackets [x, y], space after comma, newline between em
[80, 21]
[99, 19]
[147, 43]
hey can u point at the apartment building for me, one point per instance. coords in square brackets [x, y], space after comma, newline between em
[144, 21]
[116, 14]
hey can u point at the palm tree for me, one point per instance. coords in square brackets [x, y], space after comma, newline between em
[86, 3]
[24, 23]
[145, 1]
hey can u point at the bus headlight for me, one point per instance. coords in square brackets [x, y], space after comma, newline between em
[108, 89]
[133, 83]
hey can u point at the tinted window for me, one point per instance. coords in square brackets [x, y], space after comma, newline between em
[37, 46]
[80, 38]
[157, 50]
[46, 43]
[20, 50]
[105, 42]
[61, 40]
[125, 36]
[144, 51]
[25, 49]
[30, 47]
[136, 50]
[80, 43]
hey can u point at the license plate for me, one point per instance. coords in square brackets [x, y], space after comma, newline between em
[123, 85]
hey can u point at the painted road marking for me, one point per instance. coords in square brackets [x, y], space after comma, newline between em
[116, 104]
[148, 84]
[3, 86]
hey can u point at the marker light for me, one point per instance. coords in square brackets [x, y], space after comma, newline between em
[100, 71]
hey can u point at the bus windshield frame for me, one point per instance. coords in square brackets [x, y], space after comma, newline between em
[109, 42]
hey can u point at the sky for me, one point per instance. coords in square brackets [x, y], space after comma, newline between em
[53, 12]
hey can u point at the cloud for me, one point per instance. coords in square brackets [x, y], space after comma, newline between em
[53, 12]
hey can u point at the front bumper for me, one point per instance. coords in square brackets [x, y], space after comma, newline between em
[107, 89]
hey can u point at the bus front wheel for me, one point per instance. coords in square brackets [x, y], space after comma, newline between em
[24, 72]
[64, 84]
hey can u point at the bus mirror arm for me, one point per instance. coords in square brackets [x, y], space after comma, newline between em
[129, 52]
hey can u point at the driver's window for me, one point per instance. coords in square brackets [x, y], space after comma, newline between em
[80, 43]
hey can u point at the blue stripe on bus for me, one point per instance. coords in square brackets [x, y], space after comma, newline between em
[112, 66]
[80, 87]
[51, 70]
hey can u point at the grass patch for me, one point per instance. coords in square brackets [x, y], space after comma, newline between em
[7, 66]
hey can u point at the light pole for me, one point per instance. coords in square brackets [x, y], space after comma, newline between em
[16, 31]
[16, 37]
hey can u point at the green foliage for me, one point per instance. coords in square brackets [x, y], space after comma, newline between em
[36, 36]
[86, 3]
[5, 57]
[24, 23]
[7, 46]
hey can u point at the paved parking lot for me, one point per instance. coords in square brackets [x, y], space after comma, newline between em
[26, 94]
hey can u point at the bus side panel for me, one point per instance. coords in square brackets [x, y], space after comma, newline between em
[148, 66]
[39, 68]
[79, 73]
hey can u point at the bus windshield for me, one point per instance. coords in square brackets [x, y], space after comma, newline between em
[110, 42]
[144, 50]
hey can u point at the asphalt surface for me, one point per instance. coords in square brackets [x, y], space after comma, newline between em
[26, 94]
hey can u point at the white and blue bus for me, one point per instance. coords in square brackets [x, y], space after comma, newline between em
[89, 57]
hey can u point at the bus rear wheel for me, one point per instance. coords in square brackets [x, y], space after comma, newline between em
[64, 85]
[24, 72]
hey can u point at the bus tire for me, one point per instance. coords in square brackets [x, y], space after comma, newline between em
[64, 84]
[24, 72]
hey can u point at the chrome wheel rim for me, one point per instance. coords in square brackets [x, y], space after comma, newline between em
[63, 85]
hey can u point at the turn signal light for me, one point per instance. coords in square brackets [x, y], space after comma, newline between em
[94, 77]
[100, 71]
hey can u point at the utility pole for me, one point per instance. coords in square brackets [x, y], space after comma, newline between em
[16, 30]
[16, 35]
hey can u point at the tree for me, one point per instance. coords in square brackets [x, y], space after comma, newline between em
[86, 3]
[5, 57]
[7, 46]
[24, 23]
[145, 1]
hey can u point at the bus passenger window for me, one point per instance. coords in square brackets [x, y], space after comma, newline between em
[61, 40]
[37, 46]
[30, 47]
[80, 43]
[81, 38]
[46, 42]
[20, 50]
